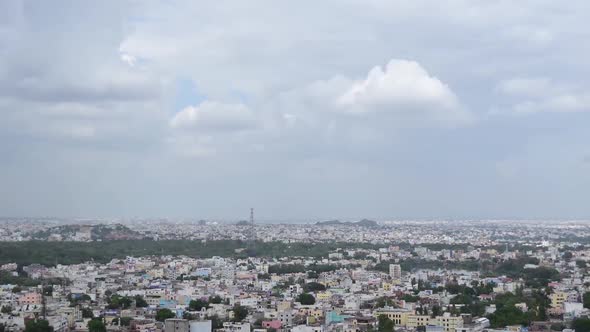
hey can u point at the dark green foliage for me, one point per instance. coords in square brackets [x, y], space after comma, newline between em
[48, 290]
[87, 313]
[581, 325]
[411, 264]
[49, 253]
[163, 314]
[514, 267]
[557, 327]
[215, 299]
[74, 301]
[38, 325]
[540, 276]
[119, 302]
[436, 310]
[508, 314]
[410, 298]
[385, 324]
[125, 321]
[383, 301]
[140, 302]
[286, 268]
[586, 300]
[306, 299]
[240, 313]
[468, 296]
[96, 325]
[314, 287]
[8, 278]
[197, 305]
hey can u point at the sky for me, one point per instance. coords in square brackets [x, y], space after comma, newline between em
[304, 110]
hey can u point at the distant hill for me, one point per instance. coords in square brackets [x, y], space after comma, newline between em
[364, 222]
[100, 232]
[243, 223]
[329, 222]
[367, 223]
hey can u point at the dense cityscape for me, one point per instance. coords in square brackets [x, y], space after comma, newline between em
[294, 166]
[200, 276]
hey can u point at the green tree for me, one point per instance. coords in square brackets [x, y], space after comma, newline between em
[385, 324]
[508, 315]
[119, 302]
[411, 298]
[125, 321]
[87, 313]
[215, 299]
[163, 314]
[140, 302]
[38, 325]
[240, 313]
[6, 309]
[383, 301]
[314, 287]
[581, 325]
[198, 304]
[188, 316]
[586, 299]
[306, 299]
[436, 310]
[96, 325]
[558, 327]
[48, 290]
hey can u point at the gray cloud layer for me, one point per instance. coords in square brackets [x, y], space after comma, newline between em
[334, 109]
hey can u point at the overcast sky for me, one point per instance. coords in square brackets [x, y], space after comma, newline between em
[302, 109]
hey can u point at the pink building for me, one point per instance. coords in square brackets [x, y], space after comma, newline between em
[272, 324]
[29, 298]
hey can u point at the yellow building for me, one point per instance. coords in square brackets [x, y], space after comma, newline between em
[557, 299]
[418, 320]
[398, 316]
[448, 322]
[323, 296]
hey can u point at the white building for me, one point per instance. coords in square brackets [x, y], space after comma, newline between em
[395, 271]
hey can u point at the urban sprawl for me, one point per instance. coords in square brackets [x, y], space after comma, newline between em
[329, 276]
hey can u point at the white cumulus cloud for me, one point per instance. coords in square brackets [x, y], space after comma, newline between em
[401, 84]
